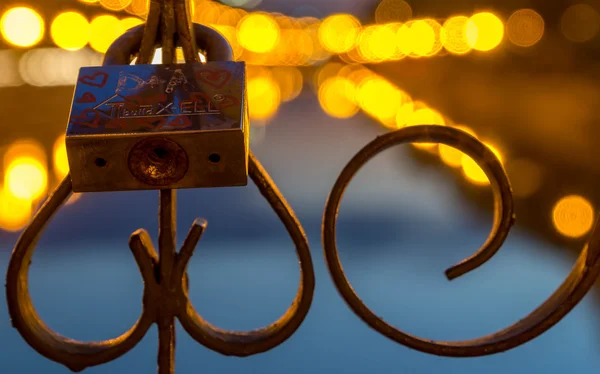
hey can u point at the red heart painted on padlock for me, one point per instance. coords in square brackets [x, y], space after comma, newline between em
[84, 119]
[87, 97]
[228, 102]
[98, 79]
[214, 78]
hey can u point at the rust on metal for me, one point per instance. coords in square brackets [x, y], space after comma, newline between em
[564, 299]
[158, 161]
[164, 273]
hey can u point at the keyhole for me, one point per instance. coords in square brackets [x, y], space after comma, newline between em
[214, 158]
[159, 155]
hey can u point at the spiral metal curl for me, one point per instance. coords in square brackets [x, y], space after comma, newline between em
[564, 299]
[165, 294]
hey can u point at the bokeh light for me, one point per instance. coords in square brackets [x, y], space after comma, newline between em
[258, 32]
[377, 43]
[22, 27]
[70, 31]
[264, 97]
[338, 33]
[26, 178]
[485, 31]
[14, 213]
[454, 35]
[473, 172]
[129, 22]
[24, 148]
[337, 97]
[139, 7]
[389, 11]
[10, 77]
[425, 116]
[60, 161]
[290, 82]
[580, 23]
[573, 216]
[115, 5]
[104, 30]
[450, 155]
[525, 27]
[44, 67]
[418, 38]
[380, 99]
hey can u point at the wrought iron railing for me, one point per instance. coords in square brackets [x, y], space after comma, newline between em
[165, 296]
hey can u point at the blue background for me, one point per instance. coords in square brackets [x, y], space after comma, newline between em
[400, 226]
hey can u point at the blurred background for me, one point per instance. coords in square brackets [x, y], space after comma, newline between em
[324, 79]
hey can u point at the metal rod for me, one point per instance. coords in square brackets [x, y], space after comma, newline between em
[167, 244]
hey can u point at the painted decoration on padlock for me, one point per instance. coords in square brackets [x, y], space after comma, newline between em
[121, 99]
[138, 127]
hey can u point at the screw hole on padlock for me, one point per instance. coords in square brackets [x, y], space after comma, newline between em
[100, 162]
[214, 158]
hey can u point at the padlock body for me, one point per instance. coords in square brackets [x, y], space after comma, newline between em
[139, 127]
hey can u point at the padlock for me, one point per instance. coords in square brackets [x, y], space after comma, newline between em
[137, 127]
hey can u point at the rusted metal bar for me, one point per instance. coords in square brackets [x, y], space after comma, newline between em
[165, 279]
[569, 294]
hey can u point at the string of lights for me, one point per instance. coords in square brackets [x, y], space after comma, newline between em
[275, 77]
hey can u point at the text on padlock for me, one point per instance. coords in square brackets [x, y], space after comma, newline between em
[139, 127]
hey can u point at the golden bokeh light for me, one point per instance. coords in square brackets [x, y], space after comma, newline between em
[264, 97]
[22, 27]
[525, 27]
[338, 33]
[378, 43]
[389, 11]
[115, 5]
[573, 216]
[485, 31]
[326, 71]
[425, 116]
[88, 1]
[473, 172]
[139, 7]
[14, 213]
[450, 155]
[24, 148]
[231, 16]
[380, 99]
[525, 177]
[26, 178]
[296, 47]
[258, 32]
[60, 161]
[290, 82]
[337, 97]
[70, 31]
[418, 38]
[454, 35]
[129, 22]
[580, 23]
[104, 30]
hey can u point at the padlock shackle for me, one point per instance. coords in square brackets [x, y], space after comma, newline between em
[122, 50]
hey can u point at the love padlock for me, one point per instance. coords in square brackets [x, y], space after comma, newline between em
[136, 127]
